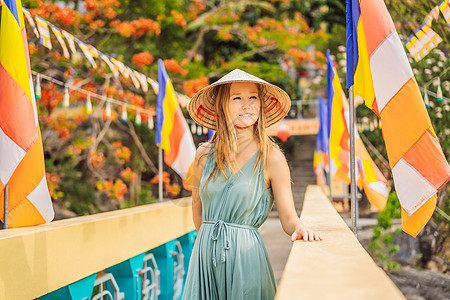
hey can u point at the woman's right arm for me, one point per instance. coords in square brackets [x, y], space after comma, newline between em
[199, 161]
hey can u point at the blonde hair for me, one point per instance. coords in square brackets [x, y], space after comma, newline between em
[224, 141]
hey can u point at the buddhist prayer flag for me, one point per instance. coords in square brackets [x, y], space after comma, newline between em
[435, 12]
[21, 153]
[154, 85]
[321, 150]
[414, 46]
[172, 131]
[445, 9]
[86, 52]
[44, 33]
[94, 52]
[121, 67]
[432, 39]
[183, 100]
[379, 70]
[422, 43]
[211, 134]
[31, 21]
[133, 77]
[338, 130]
[111, 66]
[368, 176]
[60, 39]
[433, 15]
[70, 40]
[142, 81]
[427, 40]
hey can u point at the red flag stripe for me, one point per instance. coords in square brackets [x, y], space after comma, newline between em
[428, 160]
[16, 112]
[175, 136]
[377, 23]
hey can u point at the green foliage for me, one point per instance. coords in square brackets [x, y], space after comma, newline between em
[391, 211]
[381, 246]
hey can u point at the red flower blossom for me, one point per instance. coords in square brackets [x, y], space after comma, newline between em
[179, 19]
[190, 87]
[116, 190]
[141, 59]
[52, 183]
[97, 159]
[128, 175]
[173, 66]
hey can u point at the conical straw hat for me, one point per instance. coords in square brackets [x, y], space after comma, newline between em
[202, 109]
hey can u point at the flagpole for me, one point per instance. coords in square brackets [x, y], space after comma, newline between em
[354, 202]
[329, 172]
[160, 171]
[5, 219]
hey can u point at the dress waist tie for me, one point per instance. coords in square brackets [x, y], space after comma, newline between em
[221, 230]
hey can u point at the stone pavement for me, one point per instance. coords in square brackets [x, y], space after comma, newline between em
[300, 161]
[278, 245]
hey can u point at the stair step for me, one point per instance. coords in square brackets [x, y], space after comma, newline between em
[301, 167]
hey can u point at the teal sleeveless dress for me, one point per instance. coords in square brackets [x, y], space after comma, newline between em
[229, 259]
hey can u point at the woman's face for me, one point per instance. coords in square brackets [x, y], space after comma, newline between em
[244, 104]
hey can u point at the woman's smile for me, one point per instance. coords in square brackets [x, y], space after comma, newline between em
[244, 104]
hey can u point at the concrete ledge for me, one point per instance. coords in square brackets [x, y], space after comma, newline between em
[37, 260]
[336, 268]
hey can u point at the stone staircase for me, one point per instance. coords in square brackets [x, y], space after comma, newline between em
[299, 153]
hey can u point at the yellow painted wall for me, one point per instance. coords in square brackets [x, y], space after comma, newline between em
[37, 260]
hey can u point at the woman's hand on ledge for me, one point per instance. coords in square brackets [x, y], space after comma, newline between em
[303, 233]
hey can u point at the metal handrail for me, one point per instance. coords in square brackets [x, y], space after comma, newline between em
[118, 295]
[103, 293]
[151, 289]
[178, 271]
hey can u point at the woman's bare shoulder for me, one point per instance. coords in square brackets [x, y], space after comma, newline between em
[204, 148]
[277, 164]
[202, 151]
[276, 157]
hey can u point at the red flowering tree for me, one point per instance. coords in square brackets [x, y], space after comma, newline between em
[97, 162]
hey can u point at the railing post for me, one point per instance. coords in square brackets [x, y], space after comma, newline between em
[126, 274]
[178, 271]
[150, 287]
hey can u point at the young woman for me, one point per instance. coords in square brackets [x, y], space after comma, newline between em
[237, 178]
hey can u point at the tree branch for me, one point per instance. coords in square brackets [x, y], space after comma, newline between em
[138, 143]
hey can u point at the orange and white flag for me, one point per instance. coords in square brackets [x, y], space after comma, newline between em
[378, 68]
[22, 168]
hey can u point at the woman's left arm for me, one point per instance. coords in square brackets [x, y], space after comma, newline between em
[280, 180]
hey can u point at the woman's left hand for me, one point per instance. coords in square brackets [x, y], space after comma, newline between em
[301, 232]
